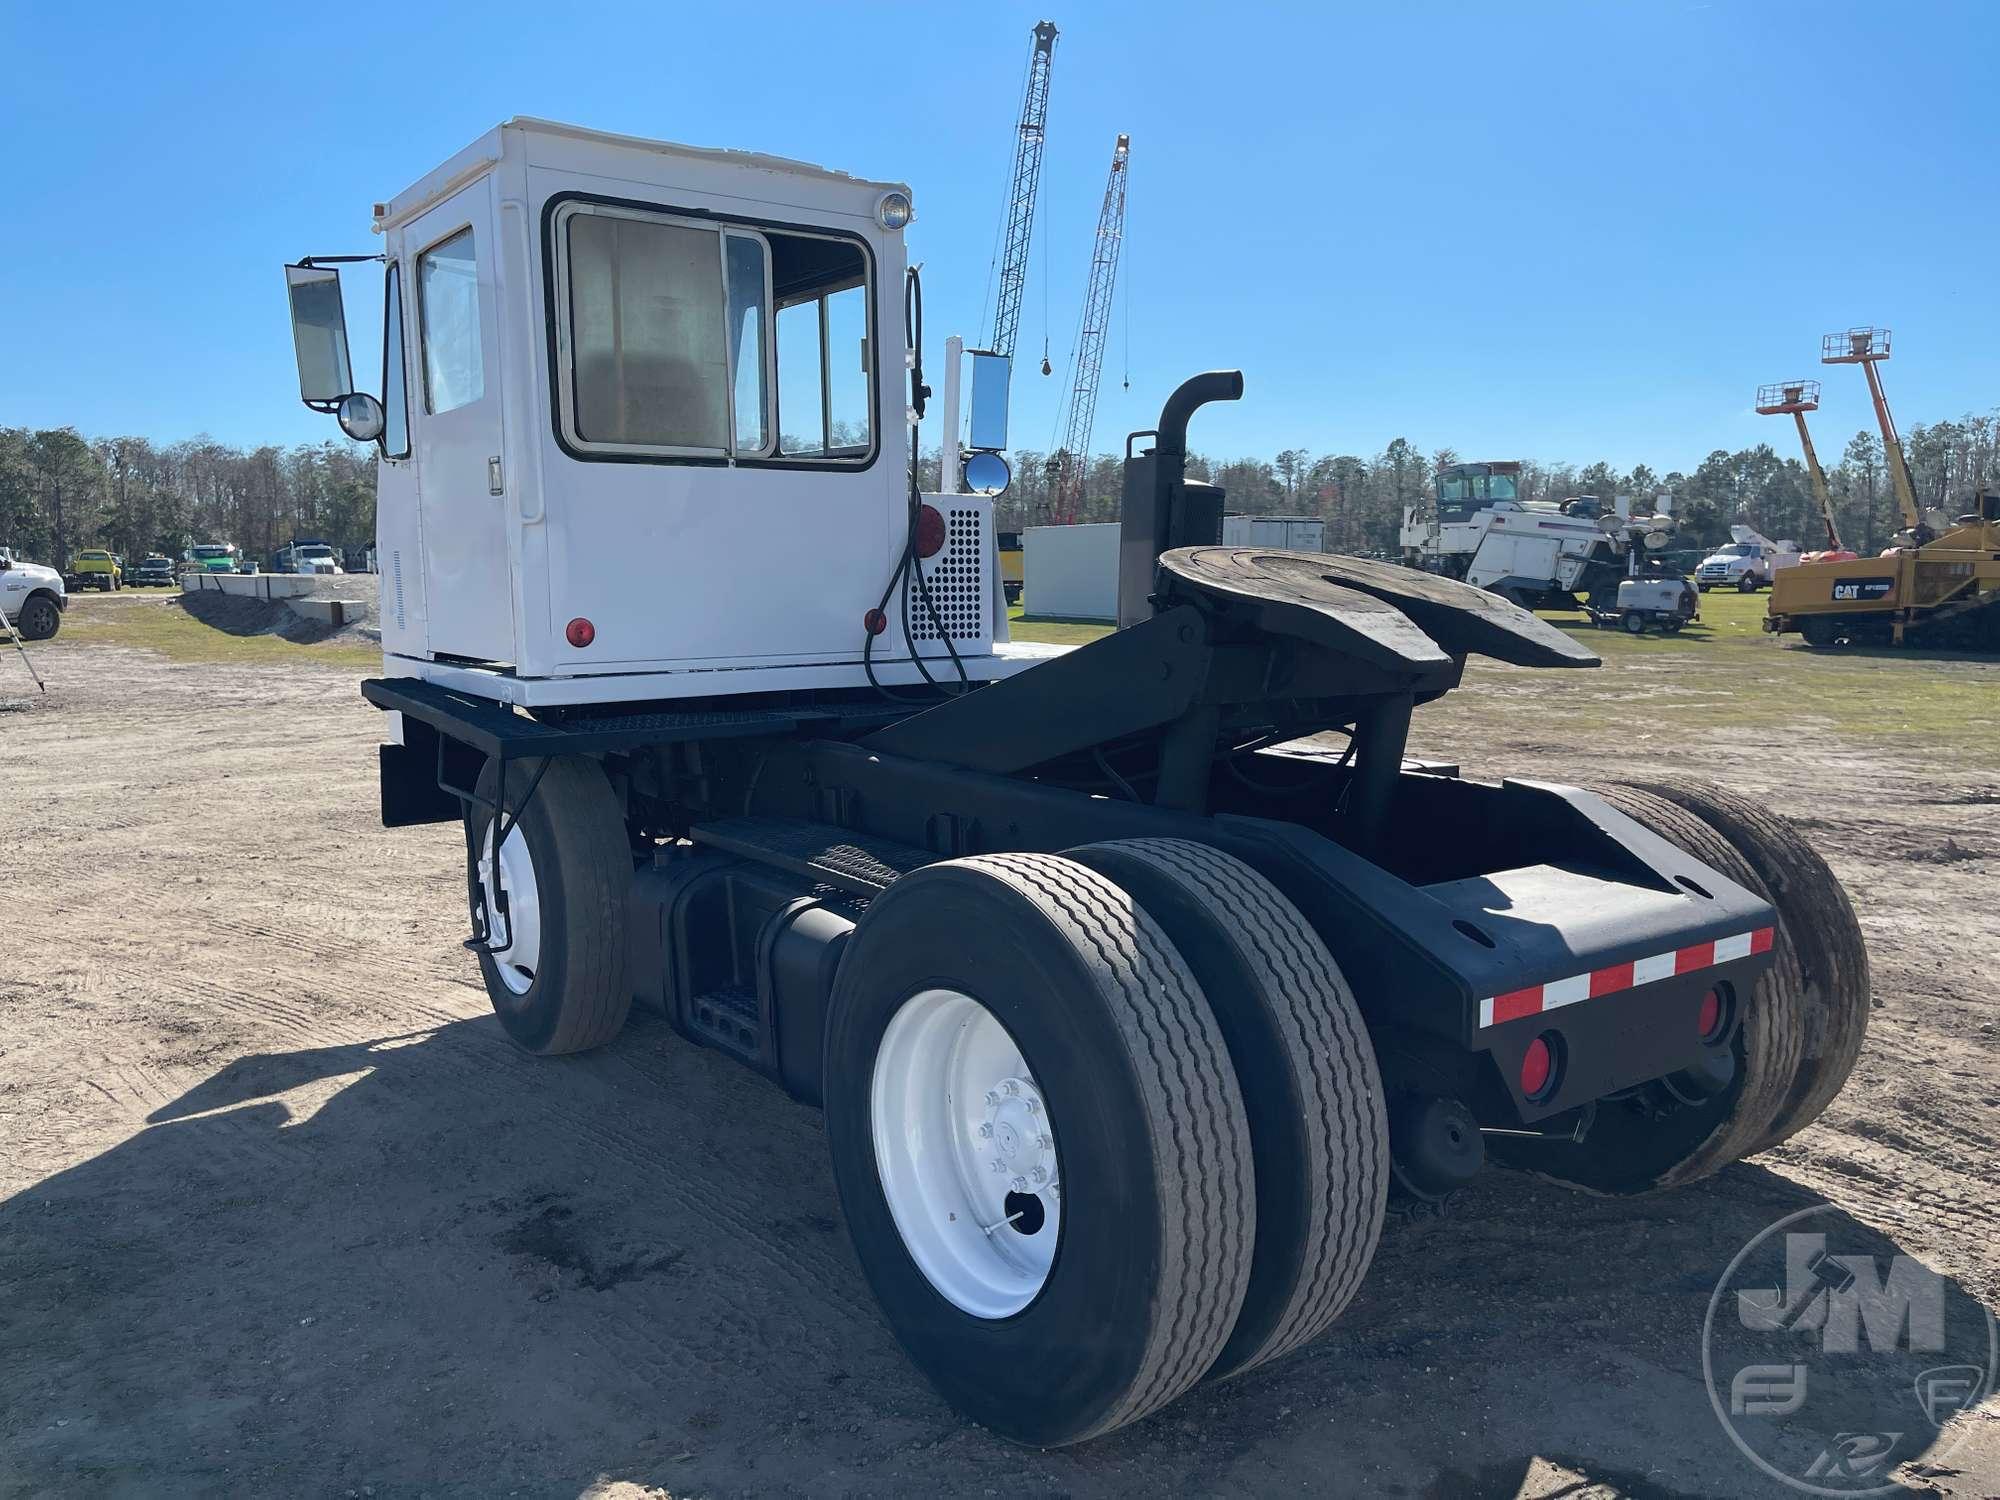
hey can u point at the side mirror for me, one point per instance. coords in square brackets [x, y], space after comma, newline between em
[991, 374]
[319, 335]
[986, 474]
[360, 417]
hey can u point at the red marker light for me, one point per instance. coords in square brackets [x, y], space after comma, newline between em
[1538, 1068]
[1710, 1021]
[875, 622]
[930, 532]
[580, 632]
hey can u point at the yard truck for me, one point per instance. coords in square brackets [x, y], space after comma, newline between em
[1136, 981]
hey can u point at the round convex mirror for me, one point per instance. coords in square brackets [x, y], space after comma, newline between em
[987, 474]
[360, 417]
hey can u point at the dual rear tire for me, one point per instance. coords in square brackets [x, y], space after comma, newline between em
[1085, 1164]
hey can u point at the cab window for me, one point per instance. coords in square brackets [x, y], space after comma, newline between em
[395, 400]
[679, 338]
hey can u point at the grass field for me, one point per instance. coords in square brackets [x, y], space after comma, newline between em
[155, 621]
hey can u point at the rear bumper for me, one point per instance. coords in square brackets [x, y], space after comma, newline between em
[1596, 930]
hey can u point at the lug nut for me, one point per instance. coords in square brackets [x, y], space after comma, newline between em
[1034, 1106]
[991, 1097]
[1043, 1143]
[1011, 1086]
[985, 1131]
[1020, 1184]
[1039, 1174]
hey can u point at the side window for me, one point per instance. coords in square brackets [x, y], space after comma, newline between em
[395, 399]
[824, 393]
[448, 309]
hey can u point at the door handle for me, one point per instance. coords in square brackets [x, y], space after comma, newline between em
[493, 484]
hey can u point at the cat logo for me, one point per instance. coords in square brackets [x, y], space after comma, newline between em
[1863, 590]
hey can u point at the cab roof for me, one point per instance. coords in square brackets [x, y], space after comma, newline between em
[487, 150]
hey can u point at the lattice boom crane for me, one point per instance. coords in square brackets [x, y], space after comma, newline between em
[1070, 462]
[1022, 192]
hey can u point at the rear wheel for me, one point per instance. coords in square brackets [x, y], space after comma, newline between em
[39, 619]
[1652, 1138]
[1039, 1143]
[1634, 623]
[1816, 923]
[1308, 1076]
[1747, 584]
[1819, 632]
[551, 898]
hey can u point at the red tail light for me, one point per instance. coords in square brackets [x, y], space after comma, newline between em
[580, 632]
[1713, 1018]
[1538, 1068]
[930, 532]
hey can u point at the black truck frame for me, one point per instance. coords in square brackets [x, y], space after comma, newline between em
[1570, 977]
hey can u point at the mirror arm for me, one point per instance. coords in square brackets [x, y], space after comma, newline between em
[313, 262]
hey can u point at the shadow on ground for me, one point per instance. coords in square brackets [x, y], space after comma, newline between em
[427, 1263]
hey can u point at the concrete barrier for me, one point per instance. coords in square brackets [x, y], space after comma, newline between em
[250, 585]
[326, 611]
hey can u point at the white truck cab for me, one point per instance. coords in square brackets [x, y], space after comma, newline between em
[1746, 563]
[643, 428]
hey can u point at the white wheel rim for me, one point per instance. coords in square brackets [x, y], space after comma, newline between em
[963, 1139]
[515, 939]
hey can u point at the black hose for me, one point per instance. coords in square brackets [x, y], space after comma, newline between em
[908, 562]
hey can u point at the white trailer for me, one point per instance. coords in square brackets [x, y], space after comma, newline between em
[1296, 533]
[1128, 1009]
[1071, 572]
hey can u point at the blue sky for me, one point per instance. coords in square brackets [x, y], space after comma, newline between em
[1564, 231]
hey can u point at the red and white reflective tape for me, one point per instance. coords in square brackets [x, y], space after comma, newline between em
[1537, 998]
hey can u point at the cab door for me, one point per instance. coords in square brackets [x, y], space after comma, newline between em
[452, 255]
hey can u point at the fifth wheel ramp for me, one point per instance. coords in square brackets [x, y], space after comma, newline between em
[1393, 616]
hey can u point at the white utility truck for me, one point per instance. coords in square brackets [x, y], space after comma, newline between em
[32, 596]
[1747, 563]
[1130, 1006]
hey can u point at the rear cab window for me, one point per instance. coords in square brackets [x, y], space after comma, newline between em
[692, 339]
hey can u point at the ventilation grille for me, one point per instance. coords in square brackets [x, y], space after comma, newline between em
[396, 565]
[957, 582]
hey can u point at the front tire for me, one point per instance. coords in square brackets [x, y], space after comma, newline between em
[554, 965]
[1146, 1180]
[39, 619]
[1311, 1089]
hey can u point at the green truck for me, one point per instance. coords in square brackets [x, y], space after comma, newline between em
[215, 557]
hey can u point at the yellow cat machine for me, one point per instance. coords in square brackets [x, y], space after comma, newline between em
[1938, 586]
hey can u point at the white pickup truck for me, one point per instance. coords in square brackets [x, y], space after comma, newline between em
[1746, 564]
[32, 596]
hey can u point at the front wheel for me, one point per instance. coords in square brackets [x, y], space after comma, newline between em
[1040, 1145]
[39, 619]
[1634, 623]
[551, 900]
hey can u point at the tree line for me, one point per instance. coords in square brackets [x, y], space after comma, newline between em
[60, 491]
[1361, 499]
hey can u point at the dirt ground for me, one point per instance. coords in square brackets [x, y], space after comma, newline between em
[282, 1212]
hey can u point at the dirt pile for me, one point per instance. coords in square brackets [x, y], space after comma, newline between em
[243, 616]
